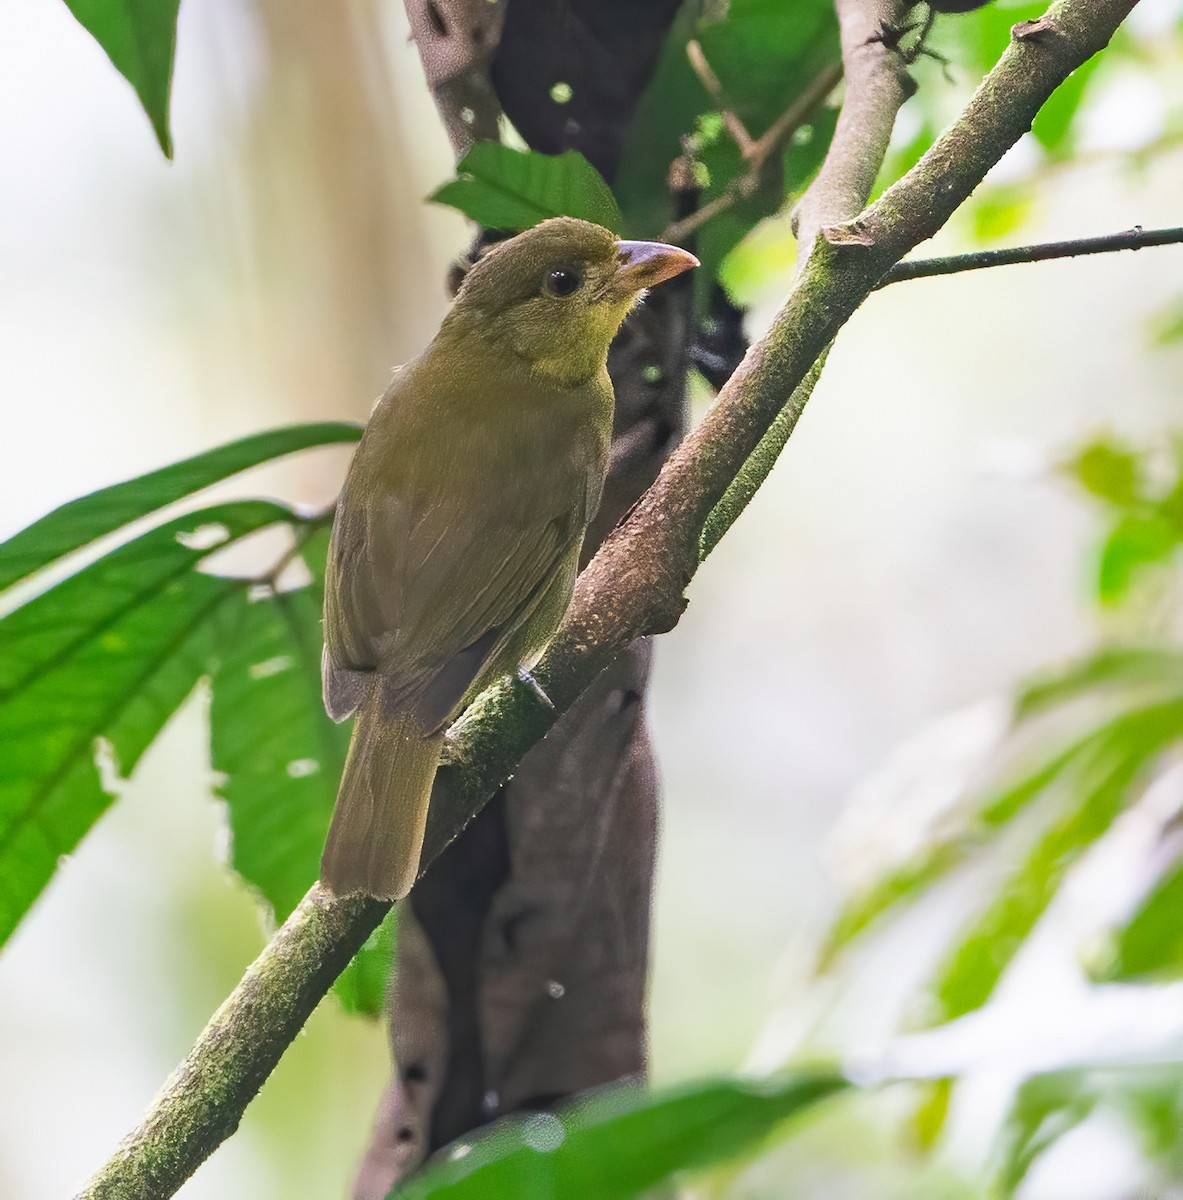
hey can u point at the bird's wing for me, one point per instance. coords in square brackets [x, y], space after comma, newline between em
[425, 591]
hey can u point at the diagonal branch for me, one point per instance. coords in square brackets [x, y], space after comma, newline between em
[635, 585]
[758, 152]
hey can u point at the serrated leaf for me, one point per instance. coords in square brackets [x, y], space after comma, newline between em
[139, 37]
[85, 520]
[621, 1142]
[109, 653]
[502, 188]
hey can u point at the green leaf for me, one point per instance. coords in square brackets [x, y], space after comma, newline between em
[1150, 947]
[100, 513]
[1136, 542]
[807, 150]
[1111, 668]
[766, 52]
[1151, 1097]
[762, 261]
[279, 758]
[621, 1142]
[140, 38]
[1054, 123]
[1110, 471]
[667, 111]
[1148, 1096]
[361, 987]
[939, 859]
[723, 232]
[1103, 778]
[908, 882]
[743, 250]
[979, 37]
[931, 1113]
[109, 653]
[1166, 325]
[1045, 1108]
[1000, 212]
[502, 188]
[279, 755]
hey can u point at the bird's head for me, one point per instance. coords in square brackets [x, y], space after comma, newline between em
[556, 294]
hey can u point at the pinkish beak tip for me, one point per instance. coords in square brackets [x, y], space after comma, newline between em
[646, 264]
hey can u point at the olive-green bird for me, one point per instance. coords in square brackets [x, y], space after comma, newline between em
[457, 534]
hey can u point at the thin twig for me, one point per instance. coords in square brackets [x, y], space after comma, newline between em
[781, 131]
[953, 264]
[635, 585]
[759, 152]
[710, 81]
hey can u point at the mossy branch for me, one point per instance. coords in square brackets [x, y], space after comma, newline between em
[634, 586]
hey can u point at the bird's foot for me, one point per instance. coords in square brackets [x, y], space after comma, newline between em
[535, 687]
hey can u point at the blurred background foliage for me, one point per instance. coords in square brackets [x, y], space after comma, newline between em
[987, 659]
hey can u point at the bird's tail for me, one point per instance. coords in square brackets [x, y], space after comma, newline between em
[376, 835]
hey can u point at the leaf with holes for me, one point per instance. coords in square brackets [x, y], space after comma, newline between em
[279, 757]
[502, 188]
[85, 520]
[622, 1142]
[110, 653]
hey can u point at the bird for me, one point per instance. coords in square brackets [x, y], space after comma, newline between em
[456, 537]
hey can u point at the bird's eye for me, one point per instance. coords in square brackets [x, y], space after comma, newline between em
[562, 283]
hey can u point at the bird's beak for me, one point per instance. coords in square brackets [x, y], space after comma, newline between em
[646, 264]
